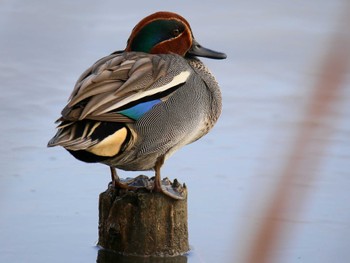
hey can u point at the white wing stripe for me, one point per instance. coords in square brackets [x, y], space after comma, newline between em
[178, 79]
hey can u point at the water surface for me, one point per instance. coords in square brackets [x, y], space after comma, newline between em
[48, 200]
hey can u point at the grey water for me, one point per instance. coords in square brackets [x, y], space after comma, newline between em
[49, 200]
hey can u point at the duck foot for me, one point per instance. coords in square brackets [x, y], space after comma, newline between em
[118, 183]
[174, 190]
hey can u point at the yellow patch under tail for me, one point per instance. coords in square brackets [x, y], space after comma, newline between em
[111, 145]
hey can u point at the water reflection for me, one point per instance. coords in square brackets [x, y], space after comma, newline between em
[105, 256]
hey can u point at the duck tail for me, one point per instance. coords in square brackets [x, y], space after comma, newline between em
[99, 138]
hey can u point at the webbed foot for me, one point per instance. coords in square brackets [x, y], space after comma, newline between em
[174, 190]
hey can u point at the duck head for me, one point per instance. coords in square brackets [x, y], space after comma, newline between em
[167, 33]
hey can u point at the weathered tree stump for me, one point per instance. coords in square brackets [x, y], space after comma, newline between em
[139, 222]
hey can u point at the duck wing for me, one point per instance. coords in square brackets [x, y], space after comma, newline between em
[112, 87]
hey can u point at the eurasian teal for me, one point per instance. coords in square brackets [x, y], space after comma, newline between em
[134, 108]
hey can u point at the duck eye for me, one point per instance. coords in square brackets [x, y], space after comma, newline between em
[176, 32]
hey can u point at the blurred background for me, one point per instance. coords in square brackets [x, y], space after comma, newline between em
[270, 183]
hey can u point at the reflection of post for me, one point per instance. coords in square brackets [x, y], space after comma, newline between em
[105, 256]
[142, 223]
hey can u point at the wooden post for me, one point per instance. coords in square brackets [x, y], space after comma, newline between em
[142, 223]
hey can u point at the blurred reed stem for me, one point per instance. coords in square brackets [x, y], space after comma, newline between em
[325, 95]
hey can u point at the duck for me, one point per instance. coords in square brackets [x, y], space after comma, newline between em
[132, 109]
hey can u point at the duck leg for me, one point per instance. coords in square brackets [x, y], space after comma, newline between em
[159, 187]
[116, 180]
[158, 179]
